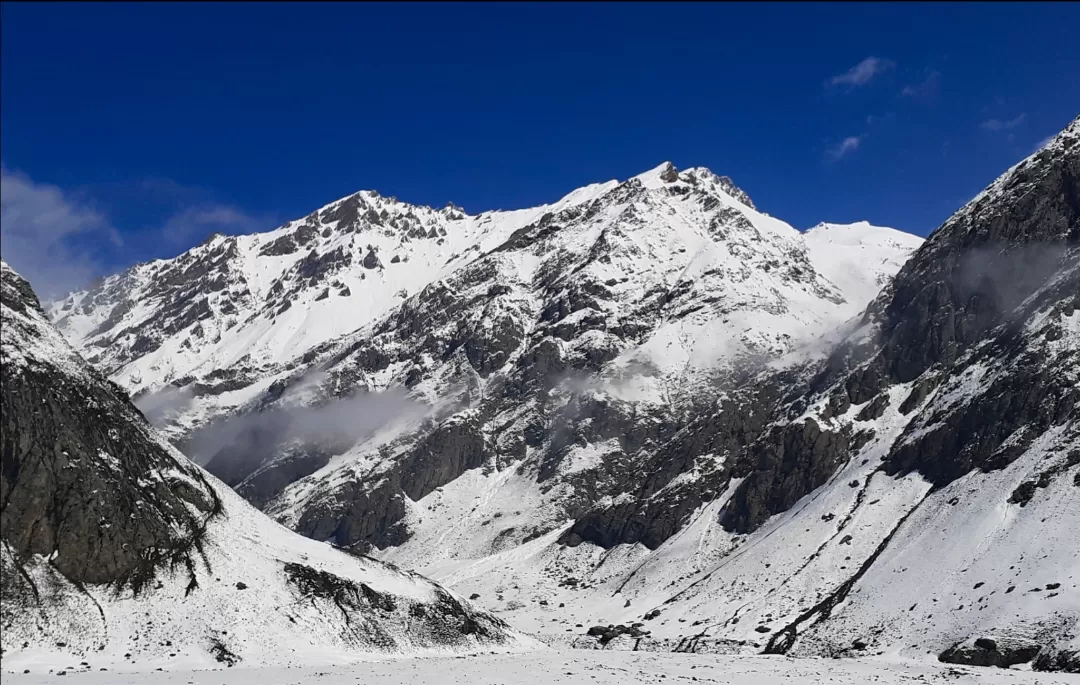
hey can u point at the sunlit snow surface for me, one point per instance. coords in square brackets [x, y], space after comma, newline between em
[572, 667]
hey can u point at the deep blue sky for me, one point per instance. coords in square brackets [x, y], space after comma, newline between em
[142, 112]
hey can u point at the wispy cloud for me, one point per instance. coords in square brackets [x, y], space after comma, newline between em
[845, 147]
[926, 88]
[40, 227]
[1042, 143]
[862, 73]
[1002, 124]
[60, 240]
[192, 225]
[873, 119]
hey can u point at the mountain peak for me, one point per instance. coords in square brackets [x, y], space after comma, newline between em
[860, 231]
[658, 175]
[667, 173]
[724, 182]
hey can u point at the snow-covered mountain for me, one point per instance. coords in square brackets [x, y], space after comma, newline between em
[686, 253]
[916, 492]
[651, 405]
[117, 552]
[664, 283]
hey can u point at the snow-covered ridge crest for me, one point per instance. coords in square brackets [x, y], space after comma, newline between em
[29, 338]
[258, 301]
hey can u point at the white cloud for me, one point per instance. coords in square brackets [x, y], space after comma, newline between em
[862, 73]
[928, 87]
[845, 147]
[1001, 125]
[193, 225]
[60, 243]
[872, 119]
[39, 224]
[1042, 143]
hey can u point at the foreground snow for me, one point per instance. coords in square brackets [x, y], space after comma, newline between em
[576, 666]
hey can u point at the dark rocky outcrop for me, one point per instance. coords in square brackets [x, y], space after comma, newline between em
[358, 516]
[369, 513]
[606, 634]
[66, 438]
[289, 464]
[445, 453]
[1063, 661]
[987, 652]
[284, 245]
[445, 620]
[789, 463]
[371, 260]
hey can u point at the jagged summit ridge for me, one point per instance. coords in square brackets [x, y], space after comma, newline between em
[291, 289]
[661, 291]
[667, 173]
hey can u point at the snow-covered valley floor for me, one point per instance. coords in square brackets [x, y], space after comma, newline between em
[548, 667]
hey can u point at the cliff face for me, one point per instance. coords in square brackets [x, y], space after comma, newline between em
[115, 544]
[83, 481]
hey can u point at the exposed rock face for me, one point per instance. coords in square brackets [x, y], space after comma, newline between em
[67, 437]
[788, 464]
[454, 447]
[963, 301]
[985, 652]
[971, 331]
[958, 307]
[103, 521]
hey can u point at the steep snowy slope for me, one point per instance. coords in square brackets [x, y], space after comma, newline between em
[859, 257]
[117, 550]
[916, 492]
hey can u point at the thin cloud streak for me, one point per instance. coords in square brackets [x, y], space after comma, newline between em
[845, 147]
[1002, 125]
[862, 73]
[928, 87]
